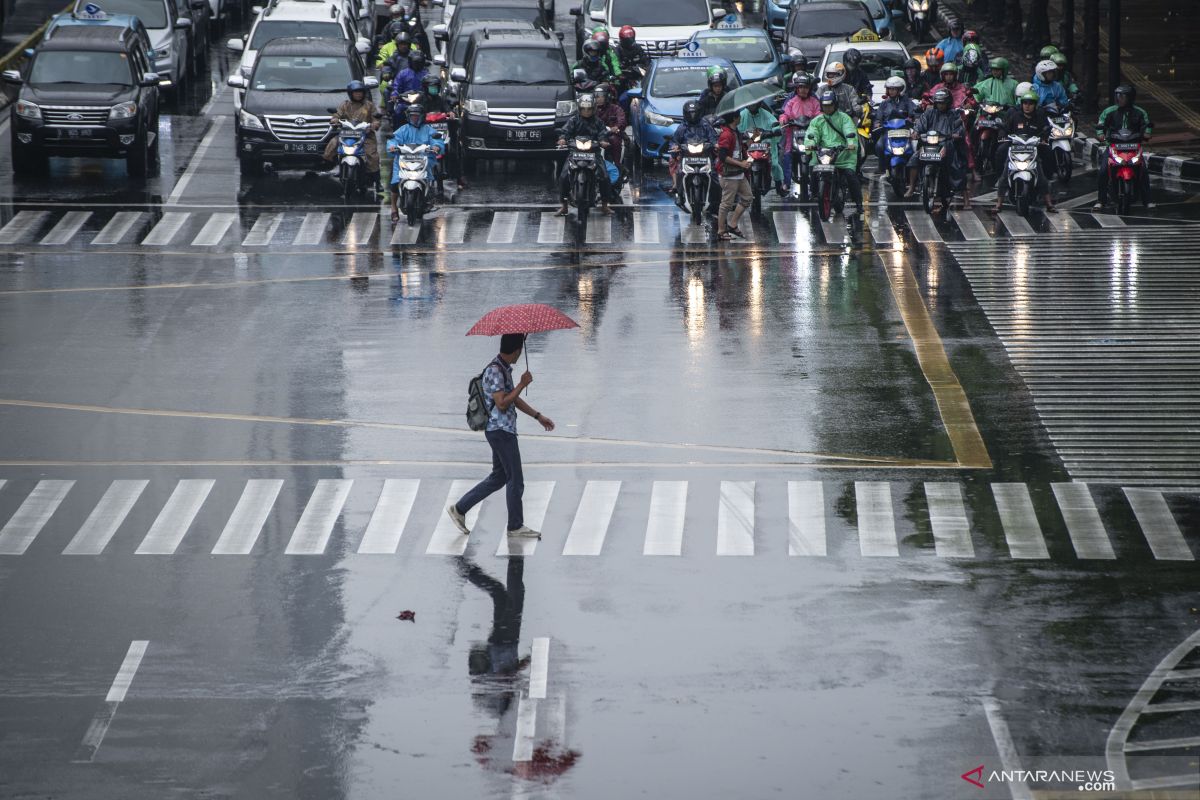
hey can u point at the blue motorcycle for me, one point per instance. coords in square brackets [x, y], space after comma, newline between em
[897, 150]
[355, 178]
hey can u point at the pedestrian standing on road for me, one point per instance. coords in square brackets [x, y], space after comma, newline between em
[503, 400]
[732, 164]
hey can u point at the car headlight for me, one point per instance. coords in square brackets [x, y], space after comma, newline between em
[477, 107]
[658, 119]
[564, 108]
[248, 120]
[123, 111]
[28, 110]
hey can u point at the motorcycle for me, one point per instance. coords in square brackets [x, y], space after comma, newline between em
[991, 116]
[416, 189]
[1022, 170]
[1124, 164]
[917, 12]
[584, 158]
[696, 165]
[935, 183]
[440, 122]
[897, 147]
[828, 183]
[758, 148]
[801, 169]
[352, 161]
[1062, 131]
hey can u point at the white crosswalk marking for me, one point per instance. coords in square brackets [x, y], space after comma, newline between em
[535, 502]
[214, 230]
[645, 227]
[1084, 525]
[1158, 525]
[881, 229]
[806, 518]
[66, 228]
[551, 228]
[922, 227]
[1062, 222]
[971, 226]
[248, 517]
[312, 229]
[390, 516]
[320, 515]
[876, 520]
[118, 227]
[361, 228]
[453, 229]
[735, 519]
[1021, 528]
[22, 226]
[447, 540]
[690, 233]
[167, 227]
[786, 225]
[263, 231]
[590, 526]
[28, 520]
[664, 527]
[599, 230]
[1018, 226]
[948, 520]
[834, 230]
[102, 524]
[403, 233]
[1109, 220]
[504, 227]
[176, 517]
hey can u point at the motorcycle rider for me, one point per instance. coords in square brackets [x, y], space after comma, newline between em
[999, 88]
[802, 103]
[912, 78]
[597, 68]
[609, 112]
[409, 80]
[1124, 114]
[393, 58]
[1045, 83]
[585, 124]
[895, 105]
[1064, 76]
[847, 96]
[946, 120]
[960, 98]
[718, 83]
[855, 75]
[414, 131]
[834, 128]
[973, 64]
[932, 76]
[607, 53]
[694, 126]
[435, 102]
[758, 116]
[357, 108]
[1027, 119]
[794, 63]
[952, 45]
[632, 61]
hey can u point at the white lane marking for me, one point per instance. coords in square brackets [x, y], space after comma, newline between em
[551, 228]
[876, 520]
[1083, 520]
[970, 225]
[214, 230]
[22, 225]
[690, 233]
[389, 517]
[504, 227]
[1158, 525]
[116, 694]
[248, 517]
[882, 231]
[263, 231]
[166, 228]
[176, 517]
[835, 232]
[320, 515]
[453, 229]
[312, 229]
[403, 233]
[1018, 226]
[806, 518]
[664, 527]
[1082, 200]
[1109, 220]
[28, 520]
[102, 524]
[447, 539]
[599, 230]
[118, 227]
[645, 227]
[948, 519]
[785, 226]
[735, 519]
[1006, 748]
[66, 228]
[362, 226]
[1062, 222]
[1020, 523]
[534, 502]
[214, 130]
[590, 526]
[922, 227]
[539, 667]
[526, 728]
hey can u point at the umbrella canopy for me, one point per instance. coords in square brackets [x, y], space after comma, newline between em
[524, 318]
[746, 96]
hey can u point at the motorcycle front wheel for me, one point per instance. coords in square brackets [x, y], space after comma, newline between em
[1021, 197]
[826, 198]
[929, 186]
[1124, 197]
[1063, 160]
[696, 200]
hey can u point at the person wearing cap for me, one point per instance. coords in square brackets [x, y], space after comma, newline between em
[942, 117]
[834, 128]
[1027, 119]
[357, 108]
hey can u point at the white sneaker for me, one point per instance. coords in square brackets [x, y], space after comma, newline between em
[460, 520]
[525, 531]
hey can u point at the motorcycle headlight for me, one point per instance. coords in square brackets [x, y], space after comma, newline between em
[564, 108]
[123, 111]
[992, 108]
[583, 144]
[28, 110]
[1068, 129]
[825, 158]
[477, 108]
[658, 119]
[695, 149]
[933, 138]
[248, 120]
[918, 5]
[1135, 159]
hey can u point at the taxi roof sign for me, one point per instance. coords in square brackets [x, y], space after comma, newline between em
[730, 22]
[864, 35]
[91, 11]
[691, 50]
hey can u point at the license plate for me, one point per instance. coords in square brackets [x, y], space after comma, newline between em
[758, 148]
[931, 155]
[302, 147]
[823, 167]
[77, 133]
[696, 162]
[522, 136]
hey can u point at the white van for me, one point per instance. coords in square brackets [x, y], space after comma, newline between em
[663, 26]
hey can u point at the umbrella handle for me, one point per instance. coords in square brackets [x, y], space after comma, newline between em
[526, 349]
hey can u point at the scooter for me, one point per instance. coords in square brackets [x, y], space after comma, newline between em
[352, 161]
[935, 183]
[1022, 170]
[416, 189]
[897, 146]
[917, 12]
[801, 153]
[985, 134]
[758, 148]
[440, 122]
[1062, 131]
[1124, 163]
[828, 183]
[696, 176]
[584, 157]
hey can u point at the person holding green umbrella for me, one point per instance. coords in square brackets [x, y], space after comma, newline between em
[757, 116]
[835, 129]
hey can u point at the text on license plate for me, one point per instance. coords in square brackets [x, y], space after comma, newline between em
[79, 133]
[523, 136]
[302, 147]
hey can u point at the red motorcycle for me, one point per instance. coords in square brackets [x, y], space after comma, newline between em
[758, 147]
[984, 140]
[1125, 165]
[440, 122]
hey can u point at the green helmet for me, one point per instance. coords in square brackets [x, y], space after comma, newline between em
[1001, 63]
[1060, 60]
[1047, 52]
[1031, 96]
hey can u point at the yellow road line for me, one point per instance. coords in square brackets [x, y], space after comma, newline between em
[18, 52]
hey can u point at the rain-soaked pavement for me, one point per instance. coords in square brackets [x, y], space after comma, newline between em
[824, 517]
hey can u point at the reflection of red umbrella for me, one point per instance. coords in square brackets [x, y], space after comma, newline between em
[523, 318]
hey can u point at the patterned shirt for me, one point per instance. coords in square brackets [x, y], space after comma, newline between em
[498, 378]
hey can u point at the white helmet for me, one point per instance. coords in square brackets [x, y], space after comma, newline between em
[1023, 87]
[895, 82]
[1044, 66]
[836, 71]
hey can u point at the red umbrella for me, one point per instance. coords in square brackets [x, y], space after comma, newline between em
[522, 318]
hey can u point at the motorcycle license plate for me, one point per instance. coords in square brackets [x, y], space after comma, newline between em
[522, 136]
[588, 157]
[759, 148]
[823, 167]
[1023, 151]
[302, 147]
[931, 155]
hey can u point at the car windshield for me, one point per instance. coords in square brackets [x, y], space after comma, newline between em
[683, 81]
[472, 13]
[459, 51]
[752, 49]
[660, 12]
[301, 74]
[877, 64]
[152, 13]
[266, 31]
[522, 65]
[56, 66]
[833, 23]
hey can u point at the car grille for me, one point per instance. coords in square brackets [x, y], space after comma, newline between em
[71, 116]
[521, 117]
[298, 127]
[662, 47]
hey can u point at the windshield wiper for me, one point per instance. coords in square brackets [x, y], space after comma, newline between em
[502, 82]
[545, 82]
[298, 89]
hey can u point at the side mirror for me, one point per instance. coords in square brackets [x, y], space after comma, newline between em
[149, 79]
[439, 59]
[236, 45]
[183, 22]
[458, 74]
[236, 81]
[440, 31]
[718, 13]
[777, 36]
[362, 46]
[27, 52]
[256, 10]
[559, 34]
[11, 76]
[635, 91]
[597, 16]
[371, 82]
[575, 11]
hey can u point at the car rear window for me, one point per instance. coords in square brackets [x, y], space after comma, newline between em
[877, 64]
[831, 22]
[660, 12]
[152, 13]
[683, 81]
[519, 65]
[749, 49]
[470, 13]
[266, 31]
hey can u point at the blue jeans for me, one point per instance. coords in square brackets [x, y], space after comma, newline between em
[506, 471]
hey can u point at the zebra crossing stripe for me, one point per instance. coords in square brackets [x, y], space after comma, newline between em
[599, 230]
[176, 517]
[735, 519]
[1158, 525]
[1063, 222]
[312, 229]
[590, 526]
[1109, 220]
[785, 226]
[536, 502]
[806, 518]
[835, 232]
[316, 522]
[168, 225]
[453, 229]
[551, 228]
[1021, 528]
[403, 233]
[504, 227]
[948, 520]
[214, 230]
[22, 226]
[263, 231]
[1018, 226]
[248, 517]
[664, 526]
[28, 520]
[118, 227]
[690, 233]
[361, 228]
[1084, 525]
[389, 517]
[66, 228]
[971, 226]
[876, 521]
[645, 227]
[447, 540]
[922, 227]
[102, 524]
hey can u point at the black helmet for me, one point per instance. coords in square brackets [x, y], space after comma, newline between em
[718, 75]
[691, 112]
[402, 38]
[355, 86]
[592, 48]
[852, 58]
[432, 84]
[941, 96]
[416, 60]
[416, 109]
[1126, 89]
[912, 63]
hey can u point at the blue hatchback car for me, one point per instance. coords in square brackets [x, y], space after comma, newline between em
[751, 50]
[775, 14]
[657, 105]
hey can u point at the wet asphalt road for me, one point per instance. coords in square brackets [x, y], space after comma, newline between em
[226, 455]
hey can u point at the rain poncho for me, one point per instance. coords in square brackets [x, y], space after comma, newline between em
[1048, 93]
[794, 109]
[997, 90]
[407, 134]
[835, 130]
[764, 120]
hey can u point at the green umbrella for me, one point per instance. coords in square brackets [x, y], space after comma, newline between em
[746, 96]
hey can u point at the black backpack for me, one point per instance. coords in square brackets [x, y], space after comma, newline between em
[477, 410]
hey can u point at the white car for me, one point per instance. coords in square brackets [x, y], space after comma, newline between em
[879, 59]
[663, 26]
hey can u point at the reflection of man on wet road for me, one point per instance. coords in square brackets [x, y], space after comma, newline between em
[499, 657]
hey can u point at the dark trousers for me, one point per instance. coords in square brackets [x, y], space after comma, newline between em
[506, 471]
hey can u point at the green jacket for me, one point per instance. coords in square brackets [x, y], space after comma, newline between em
[1113, 119]
[835, 130]
[1003, 91]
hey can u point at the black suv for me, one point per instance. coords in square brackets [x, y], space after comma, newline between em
[88, 91]
[284, 119]
[513, 93]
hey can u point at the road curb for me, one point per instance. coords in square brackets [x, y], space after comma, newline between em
[1092, 151]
